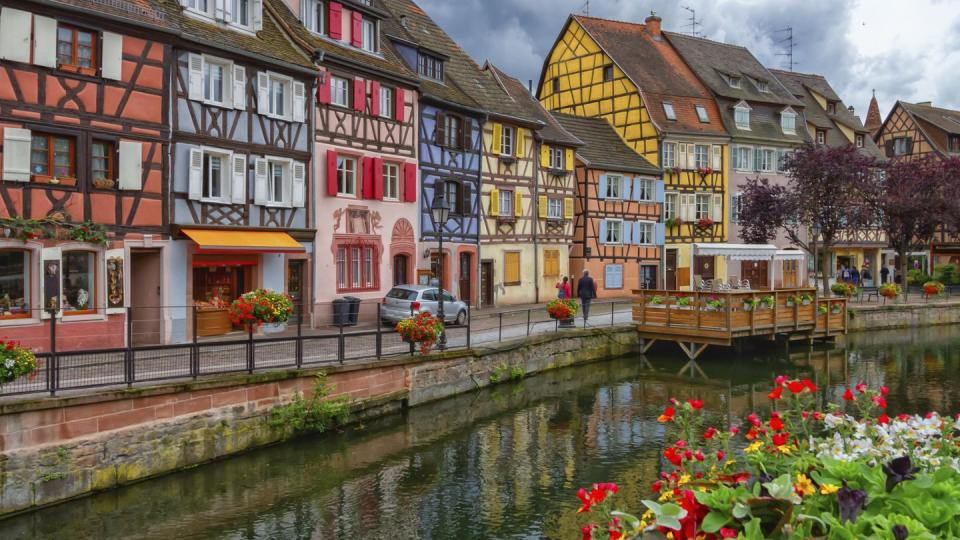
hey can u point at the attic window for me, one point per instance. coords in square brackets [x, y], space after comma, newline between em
[762, 86]
[734, 81]
[607, 73]
[832, 107]
[859, 141]
[668, 110]
[555, 83]
[702, 114]
[788, 122]
[430, 67]
[954, 144]
[741, 115]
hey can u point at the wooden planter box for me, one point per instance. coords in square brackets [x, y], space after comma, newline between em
[213, 322]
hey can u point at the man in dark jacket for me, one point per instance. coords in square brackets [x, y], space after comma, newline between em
[587, 291]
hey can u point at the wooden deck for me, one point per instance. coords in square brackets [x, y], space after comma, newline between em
[696, 320]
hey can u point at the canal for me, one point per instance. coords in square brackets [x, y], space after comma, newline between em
[504, 462]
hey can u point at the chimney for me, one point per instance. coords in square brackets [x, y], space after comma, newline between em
[653, 25]
[403, 21]
[850, 108]
[530, 86]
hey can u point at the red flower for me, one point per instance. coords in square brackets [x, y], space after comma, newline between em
[710, 433]
[673, 457]
[796, 386]
[809, 384]
[656, 486]
[903, 417]
[753, 419]
[734, 430]
[781, 439]
[615, 534]
[775, 394]
[848, 395]
[720, 455]
[883, 419]
[697, 404]
[780, 380]
[680, 444]
[667, 415]
[727, 533]
[776, 424]
[587, 534]
[880, 401]
[860, 388]
[698, 455]
[817, 415]
[884, 390]
[805, 414]
[751, 434]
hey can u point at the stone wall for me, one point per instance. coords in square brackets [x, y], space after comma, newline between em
[54, 449]
[902, 315]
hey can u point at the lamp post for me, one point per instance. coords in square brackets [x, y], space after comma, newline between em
[440, 211]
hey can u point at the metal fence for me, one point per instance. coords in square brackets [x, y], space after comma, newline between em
[246, 352]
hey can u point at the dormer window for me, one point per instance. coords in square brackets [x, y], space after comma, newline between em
[788, 122]
[368, 40]
[668, 111]
[734, 81]
[832, 107]
[430, 67]
[763, 87]
[821, 137]
[313, 14]
[859, 141]
[244, 14]
[741, 116]
[702, 114]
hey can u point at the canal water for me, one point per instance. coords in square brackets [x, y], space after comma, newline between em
[504, 462]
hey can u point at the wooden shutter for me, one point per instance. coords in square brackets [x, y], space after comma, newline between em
[660, 230]
[568, 208]
[888, 148]
[130, 166]
[323, 88]
[626, 232]
[517, 203]
[399, 106]
[637, 236]
[299, 102]
[494, 202]
[260, 181]
[495, 143]
[691, 156]
[359, 95]
[45, 43]
[467, 127]
[410, 182]
[195, 83]
[257, 7]
[603, 231]
[688, 207]
[682, 155]
[239, 87]
[716, 207]
[111, 57]
[625, 188]
[569, 159]
[331, 173]
[521, 142]
[466, 201]
[511, 264]
[195, 190]
[602, 190]
[16, 154]
[542, 204]
[238, 191]
[15, 28]
[220, 9]
[378, 179]
[367, 191]
[909, 146]
[659, 191]
[440, 129]
[335, 20]
[637, 188]
[263, 93]
[717, 157]
[356, 29]
[375, 98]
[544, 156]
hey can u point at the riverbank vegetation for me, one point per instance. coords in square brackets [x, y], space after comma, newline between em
[315, 414]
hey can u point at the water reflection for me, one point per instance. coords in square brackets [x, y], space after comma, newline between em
[501, 463]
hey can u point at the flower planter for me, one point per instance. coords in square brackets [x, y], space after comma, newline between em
[273, 328]
[748, 307]
[213, 322]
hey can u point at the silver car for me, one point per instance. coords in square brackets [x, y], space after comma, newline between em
[403, 301]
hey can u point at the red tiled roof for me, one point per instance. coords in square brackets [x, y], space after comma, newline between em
[873, 116]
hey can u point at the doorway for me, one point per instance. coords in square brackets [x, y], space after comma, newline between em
[671, 269]
[790, 269]
[145, 298]
[440, 265]
[486, 283]
[295, 288]
[400, 276]
[648, 276]
[756, 273]
[703, 266]
[465, 287]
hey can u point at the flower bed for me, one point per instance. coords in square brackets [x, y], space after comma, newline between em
[261, 306]
[847, 471]
[15, 361]
[423, 330]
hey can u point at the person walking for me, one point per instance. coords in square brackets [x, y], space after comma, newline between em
[884, 274]
[563, 289]
[587, 291]
[866, 277]
[854, 276]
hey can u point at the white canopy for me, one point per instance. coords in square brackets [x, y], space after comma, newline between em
[790, 255]
[737, 252]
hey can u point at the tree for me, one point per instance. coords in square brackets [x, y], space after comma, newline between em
[826, 193]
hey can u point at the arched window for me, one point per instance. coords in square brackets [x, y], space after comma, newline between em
[79, 282]
[15, 285]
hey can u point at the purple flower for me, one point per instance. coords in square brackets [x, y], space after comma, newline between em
[898, 470]
[900, 532]
[851, 502]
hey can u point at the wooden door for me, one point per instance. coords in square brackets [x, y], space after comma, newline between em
[295, 287]
[790, 269]
[756, 272]
[671, 270]
[400, 276]
[486, 283]
[466, 269]
[145, 299]
[703, 266]
[438, 267]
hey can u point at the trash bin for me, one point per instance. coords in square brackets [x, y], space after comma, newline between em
[353, 309]
[341, 312]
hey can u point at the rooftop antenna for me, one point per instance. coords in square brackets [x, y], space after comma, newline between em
[586, 7]
[693, 21]
[789, 47]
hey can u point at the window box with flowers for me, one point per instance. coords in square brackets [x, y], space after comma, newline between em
[16, 361]
[422, 330]
[673, 222]
[563, 310]
[704, 223]
[265, 308]
[705, 171]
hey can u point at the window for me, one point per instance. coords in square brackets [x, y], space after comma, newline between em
[767, 160]
[276, 172]
[279, 94]
[76, 49]
[511, 268]
[15, 284]
[215, 80]
[452, 131]
[614, 186]
[645, 233]
[451, 191]
[788, 122]
[551, 262]
[742, 158]
[386, 102]
[430, 67]
[368, 40]
[702, 206]
[900, 147]
[859, 141]
[762, 86]
[782, 156]
[357, 268]
[702, 114]
[340, 91]
[556, 158]
[735, 208]
[646, 189]
[701, 156]
[614, 232]
[391, 181]
[954, 143]
[607, 73]
[554, 209]
[241, 12]
[555, 84]
[613, 276]
[734, 82]
[670, 202]
[669, 155]
[52, 156]
[215, 174]
[832, 107]
[314, 12]
[506, 203]
[821, 136]
[506, 141]
[668, 111]
[741, 116]
[79, 282]
[346, 176]
[101, 160]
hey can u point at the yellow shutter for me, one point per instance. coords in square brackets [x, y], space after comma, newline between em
[544, 156]
[495, 144]
[518, 204]
[494, 202]
[520, 150]
[568, 208]
[542, 203]
[511, 267]
[569, 160]
[551, 262]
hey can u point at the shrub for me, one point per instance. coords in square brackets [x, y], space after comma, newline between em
[916, 276]
[317, 414]
[843, 289]
[946, 274]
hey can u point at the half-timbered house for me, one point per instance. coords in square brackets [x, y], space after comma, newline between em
[632, 76]
[913, 130]
[365, 146]
[84, 124]
[618, 234]
[241, 152]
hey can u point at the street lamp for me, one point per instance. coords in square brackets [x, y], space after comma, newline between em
[440, 211]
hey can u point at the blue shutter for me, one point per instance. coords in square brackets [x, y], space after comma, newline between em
[613, 276]
[603, 187]
[660, 234]
[735, 157]
[756, 159]
[636, 233]
[636, 188]
[603, 231]
[626, 237]
[658, 194]
[625, 193]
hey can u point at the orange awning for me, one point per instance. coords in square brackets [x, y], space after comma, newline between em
[210, 240]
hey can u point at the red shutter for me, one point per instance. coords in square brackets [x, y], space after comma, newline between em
[368, 178]
[378, 178]
[359, 94]
[335, 23]
[356, 29]
[398, 110]
[374, 98]
[410, 182]
[323, 88]
[331, 173]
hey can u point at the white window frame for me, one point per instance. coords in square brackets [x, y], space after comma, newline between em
[702, 206]
[740, 163]
[614, 239]
[702, 114]
[207, 12]
[315, 16]
[668, 111]
[671, 205]
[506, 203]
[821, 137]
[554, 208]
[763, 86]
[226, 92]
[335, 91]
[287, 84]
[741, 117]
[647, 189]
[858, 140]
[614, 187]
[226, 175]
[768, 160]
[508, 140]
[351, 182]
[31, 251]
[789, 128]
[368, 42]
[647, 233]
[669, 155]
[556, 158]
[697, 162]
[391, 181]
[286, 181]
[735, 82]
[386, 102]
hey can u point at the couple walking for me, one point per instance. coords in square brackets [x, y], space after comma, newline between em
[586, 291]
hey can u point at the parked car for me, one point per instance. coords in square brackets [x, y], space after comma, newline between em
[405, 300]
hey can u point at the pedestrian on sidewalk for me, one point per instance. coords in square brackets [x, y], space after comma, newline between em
[563, 289]
[587, 291]
[884, 273]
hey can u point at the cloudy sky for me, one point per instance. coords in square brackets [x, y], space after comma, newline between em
[904, 50]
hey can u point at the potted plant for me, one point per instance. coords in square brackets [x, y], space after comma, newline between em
[933, 288]
[805, 299]
[843, 289]
[767, 301]
[655, 300]
[684, 302]
[822, 309]
[563, 310]
[750, 303]
[423, 330]
[268, 309]
[15, 361]
[704, 223]
[890, 290]
[714, 303]
[792, 300]
[835, 308]
[673, 222]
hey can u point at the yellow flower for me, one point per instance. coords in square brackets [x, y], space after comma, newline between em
[804, 485]
[783, 449]
[666, 495]
[828, 489]
[754, 446]
[683, 480]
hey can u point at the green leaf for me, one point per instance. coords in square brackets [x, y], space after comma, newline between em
[632, 521]
[714, 521]
[653, 506]
[741, 510]
[673, 510]
[751, 530]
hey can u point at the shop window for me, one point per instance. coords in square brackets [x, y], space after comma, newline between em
[357, 268]
[52, 156]
[76, 49]
[79, 282]
[14, 284]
